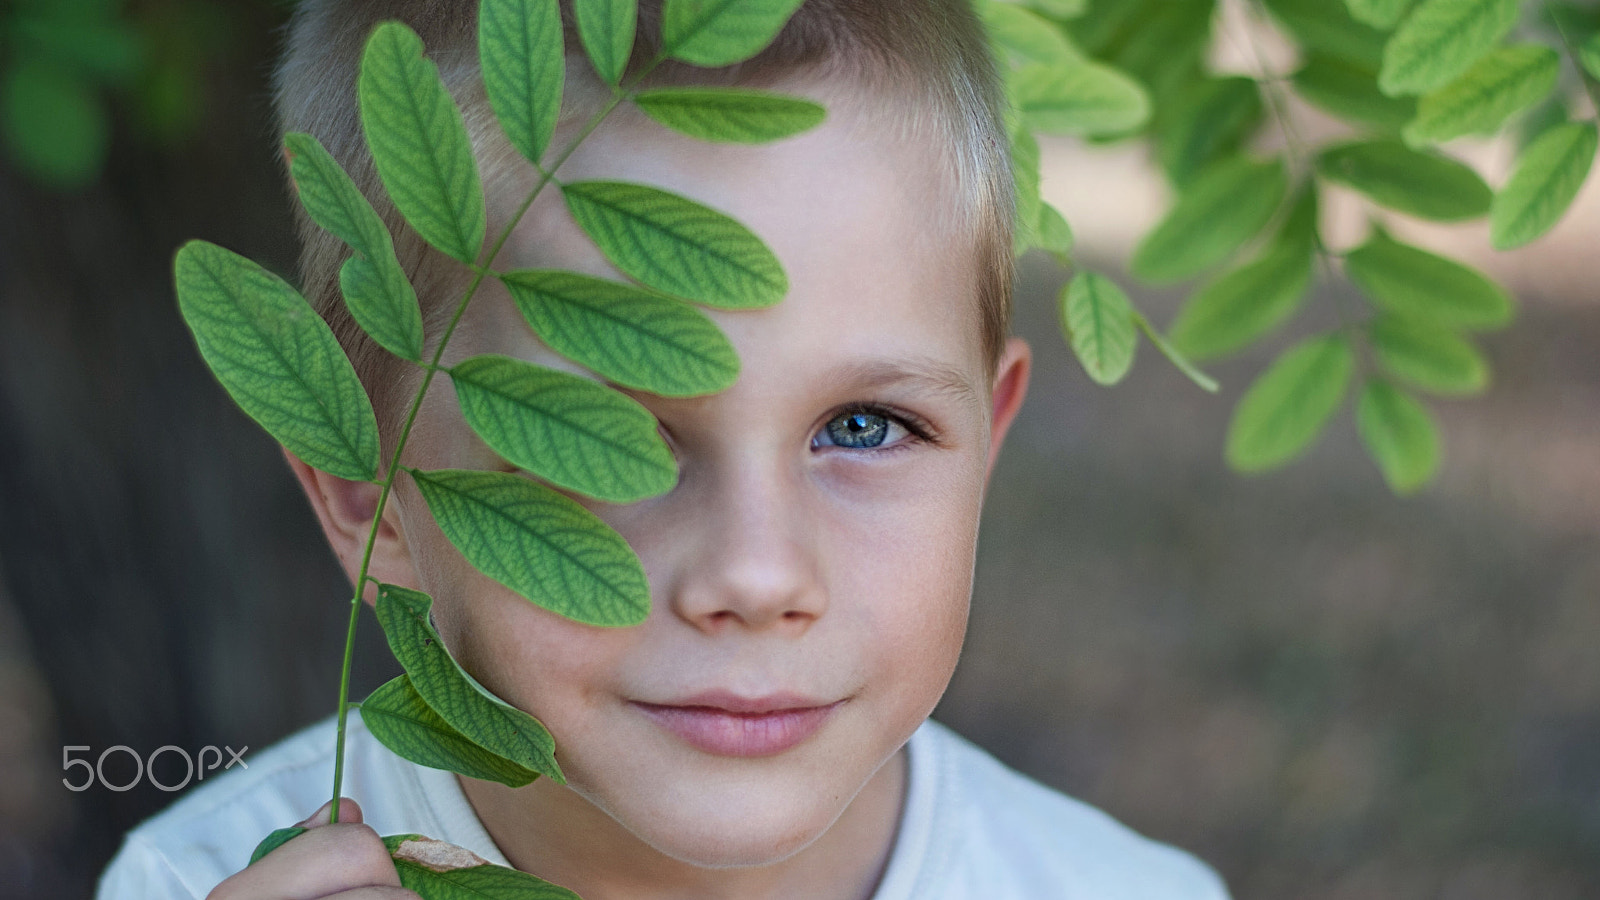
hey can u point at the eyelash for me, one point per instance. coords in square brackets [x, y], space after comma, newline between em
[919, 429]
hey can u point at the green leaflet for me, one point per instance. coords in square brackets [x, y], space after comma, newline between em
[1244, 304]
[1225, 206]
[540, 544]
[1080, 97]
[1427, 355]
[277, 359]
[1543, 184]
[606, 28]
[1213, 119]
[1589, 56]
[1440, 40]
[440, 871]
[1326, 28]
[402, 721]
[521, 54]
[375, 289]
[275, 840]
[1289, 405]
[1382, 14]
[1098, 321]
[676, 245]
[730, 115]
[1165, 51]
[1025, 162]
[1415, 283]
[713, 33]
[1024, 35]
[419, 143]
[54, 122]
[1506, 81]
[575, 433]
[455, 696]
[1399, 434]
[626, 335]
[1351, 93]
[1391, 174]
[1053, 234]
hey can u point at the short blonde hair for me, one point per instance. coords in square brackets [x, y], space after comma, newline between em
[932, 53]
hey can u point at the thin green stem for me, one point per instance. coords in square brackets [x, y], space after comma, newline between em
[430, 369]
[1271, 88]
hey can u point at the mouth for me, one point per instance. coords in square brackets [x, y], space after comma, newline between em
[728, 725]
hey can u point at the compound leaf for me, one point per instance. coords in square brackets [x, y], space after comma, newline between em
[712, 33]
[1440, 40]
[375, 288]
[1225, 206]
[275, 840]
[676, 245]
[1423, 184]
[452, 693]
[606, 28]
[1098, 320]
[1080, 97]
[521, 54]
[730, 115]
[1543, 184]
[1427, 355]
[402, 721]
[277, 359]
[1351, 93]
[573, 432]
[540, 544]
[1413, 282]
[1244, 304]
[419, 143]
[627, 335]
[1399, 434]
[1289, 405]
[1506, 81]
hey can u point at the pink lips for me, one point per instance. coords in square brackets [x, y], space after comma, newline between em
[727, 725]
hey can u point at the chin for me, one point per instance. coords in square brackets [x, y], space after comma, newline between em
[747, 831]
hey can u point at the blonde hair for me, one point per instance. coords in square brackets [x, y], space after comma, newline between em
[931, 52]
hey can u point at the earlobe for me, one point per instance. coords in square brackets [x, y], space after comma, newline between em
[1010, 387]
[344, 509]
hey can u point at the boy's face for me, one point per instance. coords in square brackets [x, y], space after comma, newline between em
[811, 570]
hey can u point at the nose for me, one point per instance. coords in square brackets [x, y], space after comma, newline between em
[753, 558]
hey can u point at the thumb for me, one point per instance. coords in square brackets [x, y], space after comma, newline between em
[349, 814]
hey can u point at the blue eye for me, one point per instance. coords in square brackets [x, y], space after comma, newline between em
[858, 430]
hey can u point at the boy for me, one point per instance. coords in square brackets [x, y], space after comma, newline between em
[763, 733]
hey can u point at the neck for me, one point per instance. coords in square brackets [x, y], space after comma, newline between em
[552, 831]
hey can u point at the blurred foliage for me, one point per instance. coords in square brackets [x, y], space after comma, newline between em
[1404, 77]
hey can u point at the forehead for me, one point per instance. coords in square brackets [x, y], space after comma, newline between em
[862, 212]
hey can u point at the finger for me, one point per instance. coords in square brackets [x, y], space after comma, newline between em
[324, 861]
[349, 813]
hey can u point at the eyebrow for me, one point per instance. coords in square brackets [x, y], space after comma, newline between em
[925, 372]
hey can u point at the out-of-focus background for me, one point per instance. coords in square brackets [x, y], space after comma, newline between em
[1323, 690]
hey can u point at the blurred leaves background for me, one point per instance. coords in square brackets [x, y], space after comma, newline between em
[1323, 690]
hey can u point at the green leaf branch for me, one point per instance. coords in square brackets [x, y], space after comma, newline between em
[282, 365]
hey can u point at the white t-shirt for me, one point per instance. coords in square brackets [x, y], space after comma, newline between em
[971, 827]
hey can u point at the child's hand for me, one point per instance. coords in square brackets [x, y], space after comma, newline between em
[346, 861]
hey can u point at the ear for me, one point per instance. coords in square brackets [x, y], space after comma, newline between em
[344, 508]
[1010, 386]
